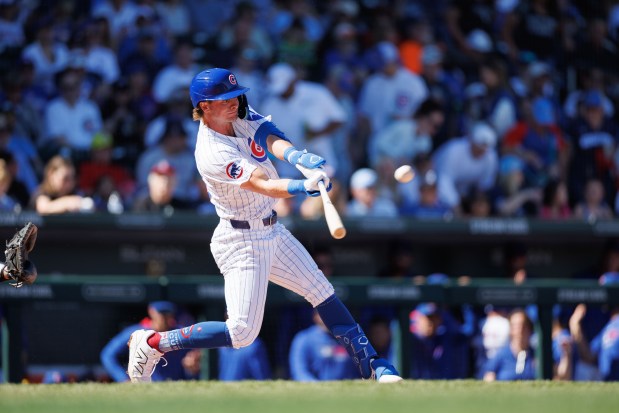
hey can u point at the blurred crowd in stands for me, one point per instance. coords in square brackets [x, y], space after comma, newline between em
[503, 107]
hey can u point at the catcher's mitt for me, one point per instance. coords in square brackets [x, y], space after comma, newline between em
[17, 266]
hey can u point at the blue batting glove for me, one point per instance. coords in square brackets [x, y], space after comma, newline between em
[303, 158]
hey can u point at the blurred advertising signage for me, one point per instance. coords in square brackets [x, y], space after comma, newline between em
[114, 292]
[507, 295]
[499, 226]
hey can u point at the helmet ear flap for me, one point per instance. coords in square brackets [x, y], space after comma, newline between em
[243, 111]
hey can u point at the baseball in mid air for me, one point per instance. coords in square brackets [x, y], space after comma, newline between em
[404, 174]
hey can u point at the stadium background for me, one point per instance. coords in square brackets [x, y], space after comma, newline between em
[161, 244]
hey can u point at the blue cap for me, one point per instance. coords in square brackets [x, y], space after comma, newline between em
[509, 164]
[163, 306]
[427, 309]
[592, 99]
[543, 112]
[609, 278]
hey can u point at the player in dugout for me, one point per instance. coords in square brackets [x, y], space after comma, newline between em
[249, 246]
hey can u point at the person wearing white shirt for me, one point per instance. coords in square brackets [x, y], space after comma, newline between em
[366, 201]
[306, 110]
[71, 121]
[177, 75]
[393, 92]
[467, 163]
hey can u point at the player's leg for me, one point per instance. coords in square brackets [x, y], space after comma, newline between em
[245, 274]
[293, 268]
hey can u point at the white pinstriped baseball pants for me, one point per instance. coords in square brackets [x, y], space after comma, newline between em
[248, 260]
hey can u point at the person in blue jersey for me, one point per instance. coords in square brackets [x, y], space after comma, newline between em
[161, 317]
[315, 355]
[604, 348]
[439, 347]
[516, 360]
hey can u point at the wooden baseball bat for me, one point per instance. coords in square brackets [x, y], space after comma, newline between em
[334, 222]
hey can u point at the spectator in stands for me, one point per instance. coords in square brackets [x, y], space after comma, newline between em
[536, 27]
[248, 71]
[494, 103]
[539, 142]
[429, 205]
[175, 107]
[173, 148]
[470, 28]
[158, 196]
[305, 110]
[47, 55]
[162, 316]
[71, 121]
[604, 348]
[367, 200]
[58, 192]
[393, 92]
[175, 17]
[596, 48]
[315, 356]
[123, 124]
[516, 360]
[445, 86]
[475, 204]
[177, 75]
[404, 139]
[591, 79]
[466, 164]
[100, 58]
[594, 139]
[17, 189]
[343, 51]
[101, 176]
[511, 197]
[244, 32]
[593, 206]
[555, 201]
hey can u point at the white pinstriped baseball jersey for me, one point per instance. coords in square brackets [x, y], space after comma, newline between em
[250, 258]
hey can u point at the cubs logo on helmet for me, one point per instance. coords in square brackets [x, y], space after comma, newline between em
[257, 151]
[232, 79]
[234, 170]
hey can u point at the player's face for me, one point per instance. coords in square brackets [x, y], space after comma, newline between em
[224, 110]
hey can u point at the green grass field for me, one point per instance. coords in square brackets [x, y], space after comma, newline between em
[285, 396]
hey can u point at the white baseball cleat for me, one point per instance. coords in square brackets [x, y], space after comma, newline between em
[384, 372]
[142, 358]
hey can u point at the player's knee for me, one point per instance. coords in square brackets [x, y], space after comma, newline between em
[319, 290]
[242, 333]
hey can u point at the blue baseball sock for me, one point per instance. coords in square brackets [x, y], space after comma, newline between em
[208, 334]
[334, 313]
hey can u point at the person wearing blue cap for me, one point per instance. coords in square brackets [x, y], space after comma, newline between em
[162, 316]
[604, 348]
[439, 350]
[594, 136]
[539, 142]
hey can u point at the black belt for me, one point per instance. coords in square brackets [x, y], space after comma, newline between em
[270, 220]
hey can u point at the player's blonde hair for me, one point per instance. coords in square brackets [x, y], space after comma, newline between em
[197, 114]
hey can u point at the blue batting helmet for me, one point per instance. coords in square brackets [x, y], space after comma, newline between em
[214, 84]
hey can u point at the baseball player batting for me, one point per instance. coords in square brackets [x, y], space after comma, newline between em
[249, 246]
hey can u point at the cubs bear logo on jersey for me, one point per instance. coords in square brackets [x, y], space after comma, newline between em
[257, 151]
[234, 170]
[232, 79]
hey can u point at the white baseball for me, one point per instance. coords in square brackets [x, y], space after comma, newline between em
[404, 174]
